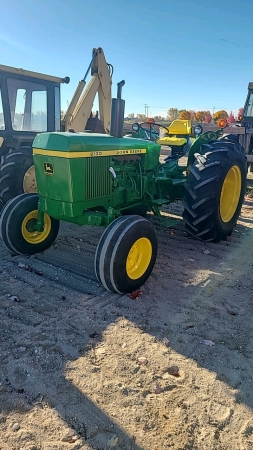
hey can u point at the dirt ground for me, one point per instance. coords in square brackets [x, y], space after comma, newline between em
[81, 368]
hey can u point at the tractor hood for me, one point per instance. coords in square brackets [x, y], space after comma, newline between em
[75, 171]
[88, 142]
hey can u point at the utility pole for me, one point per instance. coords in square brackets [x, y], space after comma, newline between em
[145, 110]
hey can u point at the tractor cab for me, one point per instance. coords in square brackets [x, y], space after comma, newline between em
[247, 117]
[29, 104]
[246, 121]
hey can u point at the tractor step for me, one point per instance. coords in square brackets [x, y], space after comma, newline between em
[161, 201]
[169, 223]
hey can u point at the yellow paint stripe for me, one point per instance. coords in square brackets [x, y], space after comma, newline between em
[69, 155]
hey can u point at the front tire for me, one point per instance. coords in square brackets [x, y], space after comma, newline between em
[17, 226]
[126, 254]
[3, 219]
[214, 191]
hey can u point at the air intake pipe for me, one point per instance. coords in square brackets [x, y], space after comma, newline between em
[117, 113]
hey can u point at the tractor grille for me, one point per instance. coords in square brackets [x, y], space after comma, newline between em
[98, 179]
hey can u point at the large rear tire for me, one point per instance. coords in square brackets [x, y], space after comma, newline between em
[126, 254]
[214, 191]
[17, 226]
[17, 174]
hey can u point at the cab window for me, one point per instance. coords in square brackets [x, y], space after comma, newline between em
[249, 106]
[28, 105]
[2, 124]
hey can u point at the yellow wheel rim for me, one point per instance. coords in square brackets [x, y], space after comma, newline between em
[138, 258]
[230, 193]
[31, 236]
[29, 182]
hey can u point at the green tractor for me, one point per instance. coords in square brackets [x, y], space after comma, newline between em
[108, 180]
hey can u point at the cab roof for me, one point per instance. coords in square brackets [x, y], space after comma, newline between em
[28, 73]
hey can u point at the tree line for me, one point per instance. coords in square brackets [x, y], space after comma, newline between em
[194, 116]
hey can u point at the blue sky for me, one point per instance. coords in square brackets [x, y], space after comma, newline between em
[171, 53]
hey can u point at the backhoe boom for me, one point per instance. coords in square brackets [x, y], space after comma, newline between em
[79, 110]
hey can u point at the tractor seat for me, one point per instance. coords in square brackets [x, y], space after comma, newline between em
[180, 127]
[170, 140]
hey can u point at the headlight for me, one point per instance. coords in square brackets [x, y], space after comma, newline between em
[198, 129]
[135, 127]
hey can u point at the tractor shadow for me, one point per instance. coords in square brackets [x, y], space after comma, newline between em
[37, 385]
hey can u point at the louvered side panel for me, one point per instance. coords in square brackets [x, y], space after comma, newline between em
[98, 179]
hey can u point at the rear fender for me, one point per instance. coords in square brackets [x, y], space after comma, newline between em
[204, 138]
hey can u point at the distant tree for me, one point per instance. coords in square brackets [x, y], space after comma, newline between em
[172, 114]
[200, 116]
[220, 115]
[231, 118]
[141, 116]
[185, 115]
[193, 115]
[131, 115]
[240, 112]
[157, 118]
[208, 117]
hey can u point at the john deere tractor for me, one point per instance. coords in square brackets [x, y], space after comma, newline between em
[107, 180]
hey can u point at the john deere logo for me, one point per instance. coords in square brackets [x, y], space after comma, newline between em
[48, 168]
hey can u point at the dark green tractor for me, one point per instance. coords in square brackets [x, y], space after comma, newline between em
[108, 180]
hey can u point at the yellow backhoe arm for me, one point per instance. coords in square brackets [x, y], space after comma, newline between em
[80, 107]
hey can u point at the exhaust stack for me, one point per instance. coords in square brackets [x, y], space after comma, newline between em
[117, 113]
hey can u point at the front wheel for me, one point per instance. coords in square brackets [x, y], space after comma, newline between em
[214, 191]
[126, 254]
[17, 226]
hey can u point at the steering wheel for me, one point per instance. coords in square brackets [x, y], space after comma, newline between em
[150, 125]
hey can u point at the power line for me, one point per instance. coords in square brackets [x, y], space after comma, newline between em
[164, 110]
[187, 108]
[233, 43]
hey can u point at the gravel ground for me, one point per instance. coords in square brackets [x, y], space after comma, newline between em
[81, 368]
